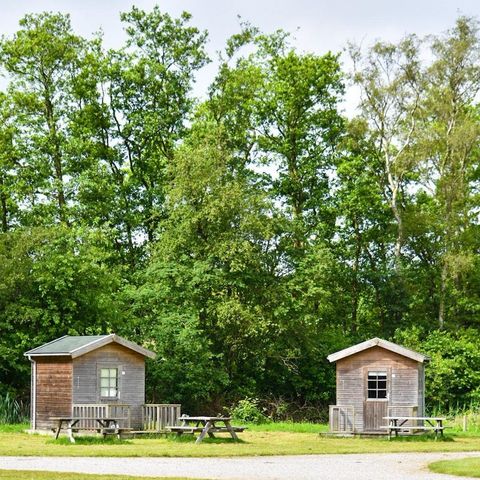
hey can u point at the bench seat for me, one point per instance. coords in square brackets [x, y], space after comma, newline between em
[412, 427]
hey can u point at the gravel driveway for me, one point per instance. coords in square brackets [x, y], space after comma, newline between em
[381, 466]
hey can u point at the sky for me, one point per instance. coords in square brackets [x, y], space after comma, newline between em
[317, 25]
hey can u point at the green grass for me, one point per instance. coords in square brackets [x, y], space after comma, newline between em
[259, 440]
[16, 427]
[288, 427]
[464, 467]
[29, 475]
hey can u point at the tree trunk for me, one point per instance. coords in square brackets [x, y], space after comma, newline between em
[3, 206]
[57, 159]
[442, 300]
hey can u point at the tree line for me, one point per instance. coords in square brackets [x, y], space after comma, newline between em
[246, 235]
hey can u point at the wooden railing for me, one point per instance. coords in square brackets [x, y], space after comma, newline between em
[156, 417]
[342, 418]
[90, 411]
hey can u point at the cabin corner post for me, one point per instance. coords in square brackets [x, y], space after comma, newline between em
[33, 394]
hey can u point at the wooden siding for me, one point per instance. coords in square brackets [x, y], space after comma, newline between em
[53, 389]
[402, 385]
[131, 367]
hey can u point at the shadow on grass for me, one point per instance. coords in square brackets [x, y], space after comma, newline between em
[186, 438]
[89, 441]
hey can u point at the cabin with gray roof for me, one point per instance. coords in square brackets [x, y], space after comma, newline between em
[96, 370]
[376, 379]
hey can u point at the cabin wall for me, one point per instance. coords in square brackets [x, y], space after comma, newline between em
[402, 388]
[131, 367]
[53, 390]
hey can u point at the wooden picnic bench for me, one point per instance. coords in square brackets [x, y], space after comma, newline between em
[398, 424]
[106, 426]
[206, 426]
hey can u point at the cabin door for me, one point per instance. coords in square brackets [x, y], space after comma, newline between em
[376, 400]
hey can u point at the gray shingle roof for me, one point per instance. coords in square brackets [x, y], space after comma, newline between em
[75, 346]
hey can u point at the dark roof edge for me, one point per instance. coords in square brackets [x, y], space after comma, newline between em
[29, 353]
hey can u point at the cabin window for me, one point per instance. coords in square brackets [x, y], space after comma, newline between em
[109, 382]
[377, 385]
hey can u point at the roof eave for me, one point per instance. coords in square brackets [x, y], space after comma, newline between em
[31, 352]
[112, 338]
[405, 352]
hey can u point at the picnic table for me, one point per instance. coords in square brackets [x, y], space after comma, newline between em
[206, 426]
[397, 424]
[106, 426]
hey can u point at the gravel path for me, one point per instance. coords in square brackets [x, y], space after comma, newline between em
[399, 466]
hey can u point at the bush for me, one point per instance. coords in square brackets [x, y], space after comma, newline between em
[452, 377]
[248, 410]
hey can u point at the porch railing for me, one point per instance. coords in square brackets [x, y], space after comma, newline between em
[158, 416]
[342, 418]
[91, 411]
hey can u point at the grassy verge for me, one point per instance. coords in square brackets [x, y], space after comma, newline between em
[34, 475]
[464, 467]
[255, 441]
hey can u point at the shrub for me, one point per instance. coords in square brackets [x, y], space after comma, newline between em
[248, 410]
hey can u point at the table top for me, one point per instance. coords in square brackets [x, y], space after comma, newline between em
[414, 418]
[205, 419]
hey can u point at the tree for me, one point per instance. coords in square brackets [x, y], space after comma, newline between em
[53, 281]
[42, 60]
[390, 80]
[450, 138]
[209, 262]
[8, 163]
[149, 83]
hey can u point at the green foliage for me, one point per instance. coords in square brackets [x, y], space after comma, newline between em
[246, 237]
[452, 376]
[248, 410]
[11, 410]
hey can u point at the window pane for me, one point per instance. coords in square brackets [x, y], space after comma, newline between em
[104, 382]
[104, 372]
[382, 376]
[113, 373]
[372, 394]
[382, 394]
[104, 392]
[113, 392]
[372, 384]
[382, 384]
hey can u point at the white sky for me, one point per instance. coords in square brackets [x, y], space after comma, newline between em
[318, 25]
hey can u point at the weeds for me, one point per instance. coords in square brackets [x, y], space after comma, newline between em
[11, 410]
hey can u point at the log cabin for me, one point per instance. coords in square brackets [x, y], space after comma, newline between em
[98, 375]
[376, 379]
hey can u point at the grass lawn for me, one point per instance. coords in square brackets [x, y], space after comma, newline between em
[278, 439]
[465, 467]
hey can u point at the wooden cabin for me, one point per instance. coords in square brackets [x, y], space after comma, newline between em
[376, 379]
[87, 375]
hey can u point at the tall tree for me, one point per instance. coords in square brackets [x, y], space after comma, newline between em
[42, 60]
[149, 92]
[450, 141]
[8, 163]
[390, 80]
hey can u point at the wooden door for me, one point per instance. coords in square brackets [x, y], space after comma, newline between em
[376, 399]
